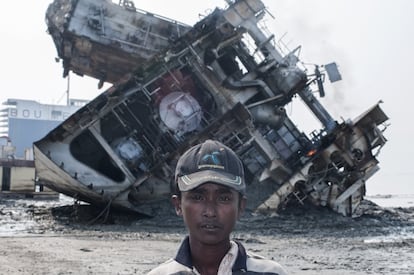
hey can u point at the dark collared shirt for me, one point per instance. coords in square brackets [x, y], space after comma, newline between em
[245, 263]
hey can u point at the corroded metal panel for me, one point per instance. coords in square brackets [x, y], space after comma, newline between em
[104, 40]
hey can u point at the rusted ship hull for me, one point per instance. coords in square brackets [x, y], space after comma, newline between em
[121, 148]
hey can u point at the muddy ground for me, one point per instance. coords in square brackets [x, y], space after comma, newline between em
[49, 237]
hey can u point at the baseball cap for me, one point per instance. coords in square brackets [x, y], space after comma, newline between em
[210, 161]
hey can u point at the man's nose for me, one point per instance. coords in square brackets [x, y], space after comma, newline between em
[210, 208]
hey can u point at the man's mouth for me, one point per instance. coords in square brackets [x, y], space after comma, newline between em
[210, 226]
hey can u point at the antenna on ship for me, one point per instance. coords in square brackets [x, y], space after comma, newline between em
[67, 91]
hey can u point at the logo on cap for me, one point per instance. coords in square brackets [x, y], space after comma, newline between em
[211, 161]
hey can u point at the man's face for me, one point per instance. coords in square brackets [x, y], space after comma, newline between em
[210, 212]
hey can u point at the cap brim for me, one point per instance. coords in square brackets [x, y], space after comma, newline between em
[191, 181]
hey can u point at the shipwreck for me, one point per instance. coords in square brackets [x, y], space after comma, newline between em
[175, 85]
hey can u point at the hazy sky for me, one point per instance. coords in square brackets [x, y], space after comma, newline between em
[371, 40]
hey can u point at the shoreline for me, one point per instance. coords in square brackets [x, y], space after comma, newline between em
[59, 239]
[392, 200]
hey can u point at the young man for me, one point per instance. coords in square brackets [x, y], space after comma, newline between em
[211, 197]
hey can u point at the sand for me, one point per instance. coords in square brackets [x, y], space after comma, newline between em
[51, 238]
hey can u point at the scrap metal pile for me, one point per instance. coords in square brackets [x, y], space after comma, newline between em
[175, 85]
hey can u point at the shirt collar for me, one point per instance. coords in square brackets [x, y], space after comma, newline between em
[227, 263]
[184, 255]
[241, 259]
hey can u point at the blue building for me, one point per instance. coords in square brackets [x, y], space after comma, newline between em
[26, 121]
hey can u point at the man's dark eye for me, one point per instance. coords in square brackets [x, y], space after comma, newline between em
[196, 197]
[225, 198]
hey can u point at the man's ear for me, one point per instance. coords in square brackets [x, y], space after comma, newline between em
[242, 206]
[176, 201]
